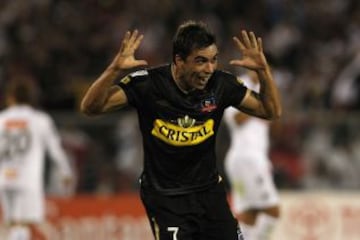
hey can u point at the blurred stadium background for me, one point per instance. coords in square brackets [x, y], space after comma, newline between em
[313, 46]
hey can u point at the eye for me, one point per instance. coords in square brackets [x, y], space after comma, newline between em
[201, 60]
[214, 60]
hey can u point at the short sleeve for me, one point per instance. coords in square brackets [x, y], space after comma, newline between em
[234, 90]
[133, 86]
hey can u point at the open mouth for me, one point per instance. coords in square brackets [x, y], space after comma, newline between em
[203, 80]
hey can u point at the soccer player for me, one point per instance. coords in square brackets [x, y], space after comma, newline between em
[26, 134]
[255, 199]
[180, 106]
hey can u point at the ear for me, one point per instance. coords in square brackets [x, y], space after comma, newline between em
[178, 60]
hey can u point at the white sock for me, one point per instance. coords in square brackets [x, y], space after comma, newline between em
[248, 231]
[264, 226]
[19, 233]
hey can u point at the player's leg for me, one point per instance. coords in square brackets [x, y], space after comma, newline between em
[265, 224]
[267, 205]
[218, 222]
[24, 231]
[258, 224]
[171, 217]
[10, 209]
[242, 175]
[247, 220]
[30, 211]
[18, 232]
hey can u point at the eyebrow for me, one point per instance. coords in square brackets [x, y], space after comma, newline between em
[205, 58]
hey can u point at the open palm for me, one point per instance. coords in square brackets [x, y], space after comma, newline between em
[251, 51]
[125, 58]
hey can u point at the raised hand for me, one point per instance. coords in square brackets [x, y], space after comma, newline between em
[125, 58]
[251, 51]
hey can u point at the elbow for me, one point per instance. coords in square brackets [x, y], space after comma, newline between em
[273, 114]
[276, 114]
[88, 109]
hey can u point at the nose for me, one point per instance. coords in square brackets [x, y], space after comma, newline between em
[209, 68]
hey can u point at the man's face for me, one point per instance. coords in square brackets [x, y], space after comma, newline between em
[198, 67]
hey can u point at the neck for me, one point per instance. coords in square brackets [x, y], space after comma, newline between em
[179, 83]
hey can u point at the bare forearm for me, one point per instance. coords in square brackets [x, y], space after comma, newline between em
[269, 94]
[97, 94]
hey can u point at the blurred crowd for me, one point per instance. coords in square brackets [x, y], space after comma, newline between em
[313, 47]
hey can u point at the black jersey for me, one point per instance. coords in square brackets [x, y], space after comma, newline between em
[178, 129]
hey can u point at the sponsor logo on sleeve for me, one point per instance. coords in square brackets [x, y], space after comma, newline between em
[125, 80]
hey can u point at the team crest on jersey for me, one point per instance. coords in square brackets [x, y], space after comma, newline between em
[208, 104]
[184, 133]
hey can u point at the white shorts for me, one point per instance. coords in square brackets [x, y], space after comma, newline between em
[252, 185]
[22, 206]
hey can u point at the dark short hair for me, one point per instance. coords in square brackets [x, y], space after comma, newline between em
[23, 91]
[189, 36]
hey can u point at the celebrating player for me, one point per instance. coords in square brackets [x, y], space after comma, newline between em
[180, 106]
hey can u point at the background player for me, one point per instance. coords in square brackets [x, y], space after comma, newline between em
[255, 200]
[26, 134]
